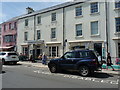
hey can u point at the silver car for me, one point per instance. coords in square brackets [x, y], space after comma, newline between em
[10, 57]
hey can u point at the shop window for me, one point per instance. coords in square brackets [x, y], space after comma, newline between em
[53, 51]
[25, 50]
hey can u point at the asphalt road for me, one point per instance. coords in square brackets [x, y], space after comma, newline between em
[25, 76]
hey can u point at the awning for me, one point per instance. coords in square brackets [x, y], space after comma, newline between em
[6, 47]
[35, 41]
[116, 38]
[53, 42]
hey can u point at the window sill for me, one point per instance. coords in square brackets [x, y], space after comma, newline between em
[53, 21]
[116, 33]
[53, 39]
[77, 37]
[79, 16]
[96, 35]
[116, 9]
[96, 13]
[39, 24]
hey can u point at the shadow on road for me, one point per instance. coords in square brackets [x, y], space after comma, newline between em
[12, 64]
[95, 74]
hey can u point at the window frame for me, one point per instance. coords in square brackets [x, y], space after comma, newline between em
[78, 11]
[92, 28]
[93, 10]
[38, 19]
[53, 16]
[25, 36]
[53, 33]
[39, 34]
[80, 30]
[117, 25]
[26, 22]
[117, 4]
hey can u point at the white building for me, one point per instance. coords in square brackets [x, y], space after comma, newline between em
[69, 26]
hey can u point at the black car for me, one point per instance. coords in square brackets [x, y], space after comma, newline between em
[83, 61]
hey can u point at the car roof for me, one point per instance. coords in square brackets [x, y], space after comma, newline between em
[79, 50]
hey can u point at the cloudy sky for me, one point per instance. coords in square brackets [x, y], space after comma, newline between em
[13, 8]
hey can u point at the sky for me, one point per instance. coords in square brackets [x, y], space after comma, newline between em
[13, 8]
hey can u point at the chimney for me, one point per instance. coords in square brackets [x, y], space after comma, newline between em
[29, 10]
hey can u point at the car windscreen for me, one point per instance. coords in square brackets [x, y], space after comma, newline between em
[2, 53]
[86, 54]
[12, 54]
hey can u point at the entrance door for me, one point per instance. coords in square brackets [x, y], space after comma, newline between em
[39, 51]
[119, 50]
[98, 48]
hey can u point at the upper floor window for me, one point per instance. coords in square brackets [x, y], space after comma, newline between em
[8, 38]
[53, 17]
[53, 33]
[26, 22]
[15, 25]
[5, 27]
[78, 11]
[94, 28]
[9, 25]
[25, 36]
[38, 19]
[78, 29]
[94, 7]
[117, 24]
[38, 34]
[117, 4]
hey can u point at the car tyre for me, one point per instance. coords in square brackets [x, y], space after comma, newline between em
[53, 68]
[84, 71]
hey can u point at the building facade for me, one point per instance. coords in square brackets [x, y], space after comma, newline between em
[9, 34]
[69, 26]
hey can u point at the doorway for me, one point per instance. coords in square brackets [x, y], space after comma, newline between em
[98, 48]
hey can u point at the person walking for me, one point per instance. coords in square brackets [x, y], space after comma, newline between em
[109, 62]
[44, 59]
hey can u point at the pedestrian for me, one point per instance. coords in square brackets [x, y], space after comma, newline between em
[31, 58]
[109, 62]
[44, 59]
[40, 57]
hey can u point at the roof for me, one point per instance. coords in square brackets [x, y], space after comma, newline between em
[59, 6]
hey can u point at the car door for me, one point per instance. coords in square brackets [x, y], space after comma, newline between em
[67, 60]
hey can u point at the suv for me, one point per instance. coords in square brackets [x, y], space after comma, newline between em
[83, 61]
[9, 57]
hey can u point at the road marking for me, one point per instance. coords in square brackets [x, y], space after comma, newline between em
[80, 78]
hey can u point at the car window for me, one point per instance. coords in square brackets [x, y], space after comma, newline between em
[12, 54]
[86, 54]
[2, 53]
[69, 55]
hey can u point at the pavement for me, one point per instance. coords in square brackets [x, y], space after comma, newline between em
[104, 70]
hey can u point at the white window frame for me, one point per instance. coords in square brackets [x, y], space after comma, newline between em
[39, 34]
[80, 11]
[26, 22]
[53, 16]
[25, 37]
[117, 25]
[117, 2]
[38, 19]
[56, 51]
[80, 29]
[94, 34]
[97, 7]
[53, 32]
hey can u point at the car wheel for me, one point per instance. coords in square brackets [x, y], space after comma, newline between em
[84, 71]
[3, 61]
[53, 68]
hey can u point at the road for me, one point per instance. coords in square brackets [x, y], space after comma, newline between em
[25, 76]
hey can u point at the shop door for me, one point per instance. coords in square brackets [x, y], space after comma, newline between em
[98, 48]
[39, 51]
[119, 50]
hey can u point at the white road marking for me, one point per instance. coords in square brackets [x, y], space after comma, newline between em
[80, 78]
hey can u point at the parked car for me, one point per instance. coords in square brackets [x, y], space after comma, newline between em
[83, 61]
[9, 57]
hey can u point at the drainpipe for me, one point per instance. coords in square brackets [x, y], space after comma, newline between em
[106, 9]
[63, 30]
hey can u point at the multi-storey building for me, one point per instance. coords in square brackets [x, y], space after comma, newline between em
[72, 25]
[0, 34]
[9, 34]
